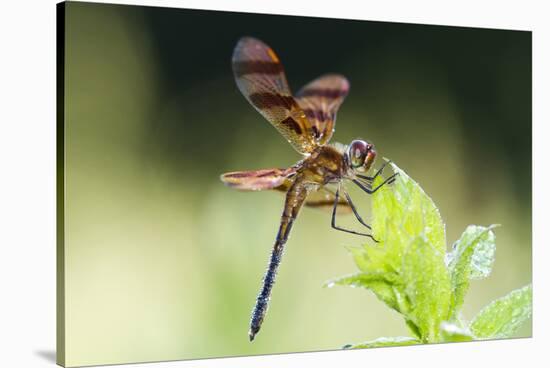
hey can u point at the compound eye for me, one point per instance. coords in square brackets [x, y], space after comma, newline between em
[357, 153]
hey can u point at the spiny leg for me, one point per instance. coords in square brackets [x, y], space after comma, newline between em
[368, 184]
[371, 191]
[357, 216]
[371, 178]
[333, 220]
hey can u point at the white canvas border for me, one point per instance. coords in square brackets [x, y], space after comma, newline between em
[27, 188]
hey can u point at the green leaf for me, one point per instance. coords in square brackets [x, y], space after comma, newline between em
[407, 206]
[453, 333]
[427, 286]
[472, 257]
[371, 258]
[503, 316]
[413, 328]
[381, 284]
[384, 341]
[483, 257]
[381, 258]
[406, 269]
[409, 270]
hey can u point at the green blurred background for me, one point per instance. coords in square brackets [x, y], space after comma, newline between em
[164, 262]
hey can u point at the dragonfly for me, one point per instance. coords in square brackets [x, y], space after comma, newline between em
[306, 120]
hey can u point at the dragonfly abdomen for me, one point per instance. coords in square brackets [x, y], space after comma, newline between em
[262, 302]
[295, 197]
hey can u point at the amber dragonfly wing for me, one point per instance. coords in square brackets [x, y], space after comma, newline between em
[261, 79]
[320, 100]
[258, 179]
[281, 180]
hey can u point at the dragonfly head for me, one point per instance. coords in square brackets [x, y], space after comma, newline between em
[360, 155]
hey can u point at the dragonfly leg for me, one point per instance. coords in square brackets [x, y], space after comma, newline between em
[357, 216]
[336, 227]
[371, 178]
[368, 190]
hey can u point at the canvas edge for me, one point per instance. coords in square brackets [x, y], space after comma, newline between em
[60, 184]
